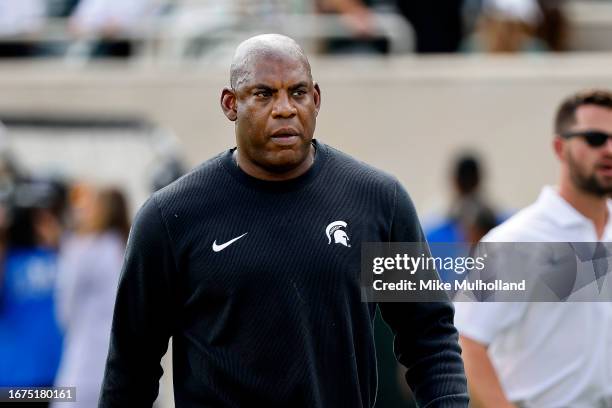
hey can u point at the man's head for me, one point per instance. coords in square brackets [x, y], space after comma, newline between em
[274, 103]
[466, 175]
[582, 122]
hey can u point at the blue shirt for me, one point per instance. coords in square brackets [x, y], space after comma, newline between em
[30, 339]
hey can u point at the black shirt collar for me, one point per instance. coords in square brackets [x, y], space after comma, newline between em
[228, 163]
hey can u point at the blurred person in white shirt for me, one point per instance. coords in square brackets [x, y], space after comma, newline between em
[112, 22]
[523, 25]
[19, 18]
[90, 264]
[551, 355]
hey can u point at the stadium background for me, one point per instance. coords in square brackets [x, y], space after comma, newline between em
[114, 122]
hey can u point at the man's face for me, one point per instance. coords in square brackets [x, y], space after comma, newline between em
[590, 168]
[276, 109]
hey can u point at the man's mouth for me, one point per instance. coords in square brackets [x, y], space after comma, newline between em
[285, 132]
[605, 169]
[285, 136]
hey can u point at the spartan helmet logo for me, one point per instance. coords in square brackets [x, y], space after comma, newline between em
[334, 231]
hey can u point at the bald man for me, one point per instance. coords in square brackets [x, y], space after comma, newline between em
[251, 263]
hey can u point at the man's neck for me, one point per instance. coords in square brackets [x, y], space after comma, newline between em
[258, 172]
[592, 206]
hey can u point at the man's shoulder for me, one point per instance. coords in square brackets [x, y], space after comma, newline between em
[530, 224]
[345, 165]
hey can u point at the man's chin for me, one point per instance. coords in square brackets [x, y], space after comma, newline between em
[287, 158]
[597, 186]
[283, 163]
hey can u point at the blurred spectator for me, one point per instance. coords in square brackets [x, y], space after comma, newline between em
[19, 19]
[470, 216]
[520, 25]
[9, 176]
[477, 219]
[89, 272]
[357, 16]
[112, 22]
[438, 24]
[30, 340]
[553, 28]
[356, 13]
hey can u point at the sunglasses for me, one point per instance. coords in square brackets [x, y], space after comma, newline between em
[594, 138]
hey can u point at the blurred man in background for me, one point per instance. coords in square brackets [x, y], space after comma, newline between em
[470, 215]
[551, 354]
[252, 262]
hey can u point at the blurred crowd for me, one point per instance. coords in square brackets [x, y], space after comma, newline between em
[25, 31]
[62, 242]
[114, 28]
[444, 26]
[62, 246]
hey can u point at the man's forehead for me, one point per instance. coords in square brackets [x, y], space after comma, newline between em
[268, 55]
[594, 115]
[591, 117]
[276, 67]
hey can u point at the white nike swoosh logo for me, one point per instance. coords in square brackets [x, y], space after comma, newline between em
[221, 247]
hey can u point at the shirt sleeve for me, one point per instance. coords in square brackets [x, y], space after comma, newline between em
[483, 322]
[426, 341]
[142, 317]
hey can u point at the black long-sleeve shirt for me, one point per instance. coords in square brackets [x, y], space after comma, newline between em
[273, 318]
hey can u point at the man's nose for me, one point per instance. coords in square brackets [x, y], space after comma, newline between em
[608, 146]
[283, 106]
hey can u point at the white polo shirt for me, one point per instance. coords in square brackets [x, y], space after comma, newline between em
[547, 355]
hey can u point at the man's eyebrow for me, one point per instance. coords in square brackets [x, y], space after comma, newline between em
[262, 86]
[265, 87]
[299, 85]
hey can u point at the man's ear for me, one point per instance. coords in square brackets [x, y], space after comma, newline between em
[228, 103]
[317, 98]
[558, 143]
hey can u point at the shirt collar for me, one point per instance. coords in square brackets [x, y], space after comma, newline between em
[562, 212]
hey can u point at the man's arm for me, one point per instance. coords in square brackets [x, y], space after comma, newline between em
[143, 315]
[426, 341]
[485, 388]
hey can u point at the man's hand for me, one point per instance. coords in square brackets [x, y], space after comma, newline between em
[484, 386]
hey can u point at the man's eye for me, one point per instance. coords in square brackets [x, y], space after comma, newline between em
[299, 92]
[263, 94]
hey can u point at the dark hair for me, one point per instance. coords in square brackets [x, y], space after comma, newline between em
[566, 113]
[467, 173]
[21, 232]
[28, 201]
[114, 212]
